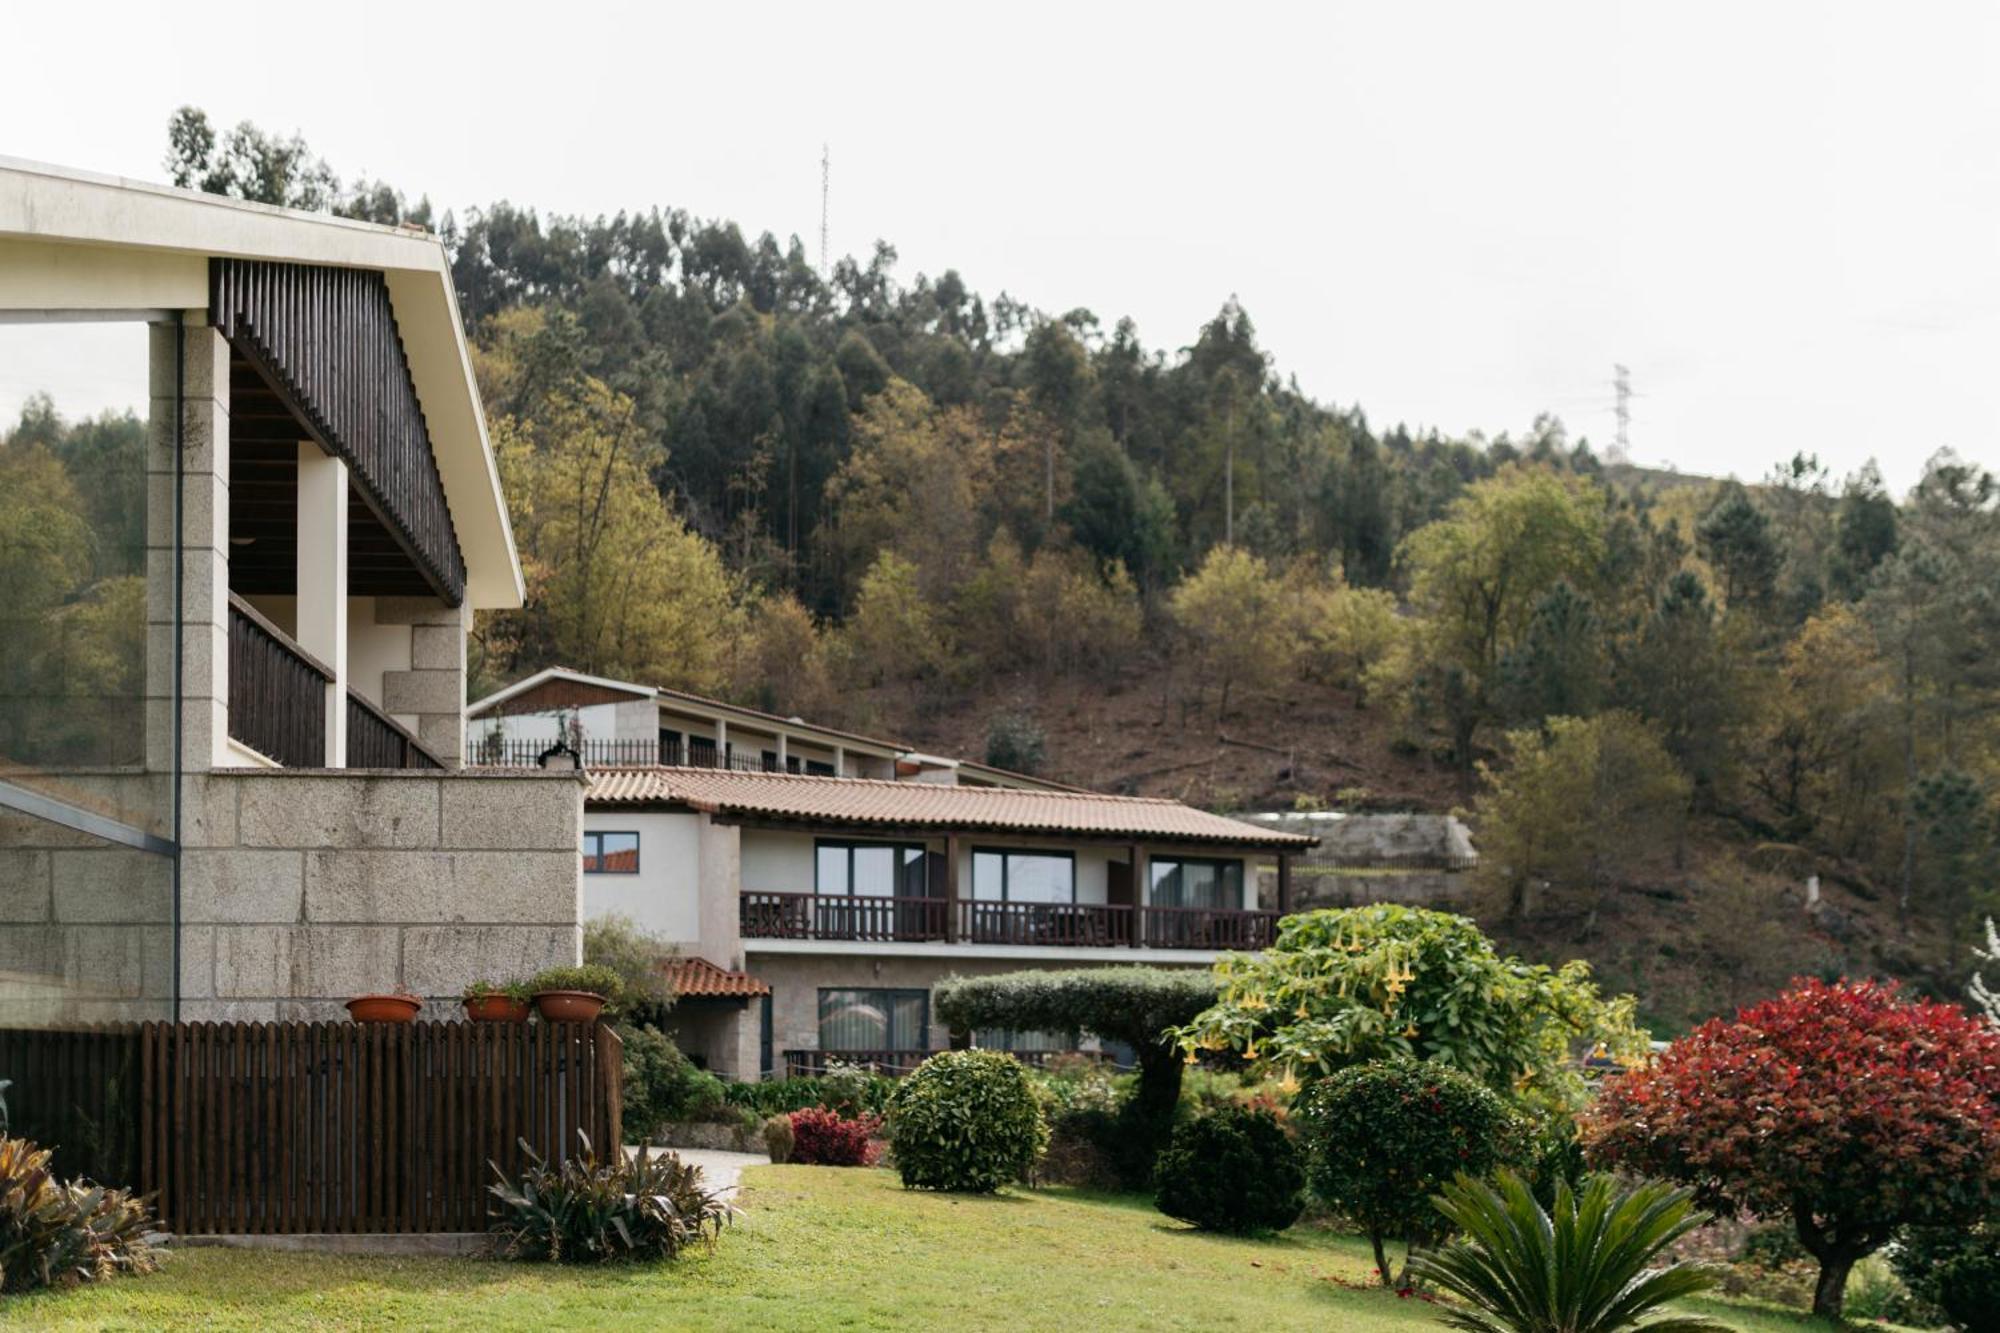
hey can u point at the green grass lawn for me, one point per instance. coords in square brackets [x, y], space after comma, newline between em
[817, 1248]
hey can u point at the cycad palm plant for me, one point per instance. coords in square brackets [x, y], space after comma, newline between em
[1584, 1268]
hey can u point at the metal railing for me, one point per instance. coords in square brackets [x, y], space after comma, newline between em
[513, 752]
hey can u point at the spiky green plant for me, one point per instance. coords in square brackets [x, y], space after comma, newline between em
[1585, 1267]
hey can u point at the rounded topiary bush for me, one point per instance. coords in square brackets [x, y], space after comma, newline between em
[1384, 1137]
[1235, 1171]
[967, 1121]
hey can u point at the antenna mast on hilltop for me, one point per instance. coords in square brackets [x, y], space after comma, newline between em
[1621, 382]
[825, 183]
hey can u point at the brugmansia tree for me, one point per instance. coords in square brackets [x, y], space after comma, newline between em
[1585, 1267]
[1856, 1112]
[1348, 985]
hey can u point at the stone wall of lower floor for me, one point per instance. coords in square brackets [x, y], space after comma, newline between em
[301, 889]
[298, 890]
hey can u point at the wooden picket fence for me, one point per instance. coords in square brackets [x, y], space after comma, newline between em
[301, 1128]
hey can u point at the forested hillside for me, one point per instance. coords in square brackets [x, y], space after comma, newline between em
[904, 505]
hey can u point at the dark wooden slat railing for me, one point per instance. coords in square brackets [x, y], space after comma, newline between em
[1207, 928]
[1070, 924]
[277, 691]
[376, 740]
[807, 916]
[79, 1092]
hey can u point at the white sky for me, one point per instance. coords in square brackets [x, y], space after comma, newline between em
[1785, 218]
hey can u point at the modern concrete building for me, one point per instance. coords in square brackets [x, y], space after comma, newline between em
[247, 509]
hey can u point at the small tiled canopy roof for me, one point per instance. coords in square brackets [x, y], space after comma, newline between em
[913, 805]
[699, 979]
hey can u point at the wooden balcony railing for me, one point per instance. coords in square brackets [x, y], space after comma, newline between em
[1073, 924]
[807, 916]
[277, 691]
[376, 740]
[1207, 928]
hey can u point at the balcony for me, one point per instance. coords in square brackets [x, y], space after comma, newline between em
[807, 916]
[278, 701]
[512, 752]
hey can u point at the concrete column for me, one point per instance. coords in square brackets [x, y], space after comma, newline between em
[721, 743]
[839, 762]
[204, 568]
[322, 582]
[784, 761]
[430, 697]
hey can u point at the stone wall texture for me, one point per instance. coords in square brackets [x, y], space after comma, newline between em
[301, 889]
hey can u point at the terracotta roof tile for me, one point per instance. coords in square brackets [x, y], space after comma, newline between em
[851, 801]
[697, 978]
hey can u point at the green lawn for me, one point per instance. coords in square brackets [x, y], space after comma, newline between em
[818, 1248]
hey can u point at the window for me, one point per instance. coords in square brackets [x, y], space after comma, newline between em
[1001, 875]
[610, 853]
[1037, 1043]
[874, 1020]
[1189, 882]
[816, 769]
[869, 869]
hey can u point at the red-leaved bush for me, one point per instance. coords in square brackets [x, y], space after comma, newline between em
[825, 1138]
[1850, 1109]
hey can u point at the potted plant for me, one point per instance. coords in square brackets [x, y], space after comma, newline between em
[492, 1002]
[397, 1006]
[574, 994]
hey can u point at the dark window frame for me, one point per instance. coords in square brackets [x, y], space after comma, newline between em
[1003, 853]
[850, 844]
[596, 837]
[1218, 862]
[890, 993]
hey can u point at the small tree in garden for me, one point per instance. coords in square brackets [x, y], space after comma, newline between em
[1854, 1111]
[1348, 985]
[1383, 1137]
[1135, 1005]
[967, 1121]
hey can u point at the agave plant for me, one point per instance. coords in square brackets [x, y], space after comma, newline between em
[1586, 1267]
[583, 1210]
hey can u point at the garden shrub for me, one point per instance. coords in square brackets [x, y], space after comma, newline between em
[848, 1090]
[1954, 1271]
[583, 1210]
[827, 1138]
[638, 958]
[1382, 1138]
[967, 1121]
[57, 1234]
[1233, 1170]
[1138, 1006]
[778, 1139]
[662, 1085]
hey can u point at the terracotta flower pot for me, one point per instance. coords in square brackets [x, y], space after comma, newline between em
[568, 1006]
[384, 1008]
[496, 1009]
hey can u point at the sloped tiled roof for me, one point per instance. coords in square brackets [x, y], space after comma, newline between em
[699, 979]
[868, 801]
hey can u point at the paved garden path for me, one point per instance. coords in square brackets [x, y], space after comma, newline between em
[722, 1170]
